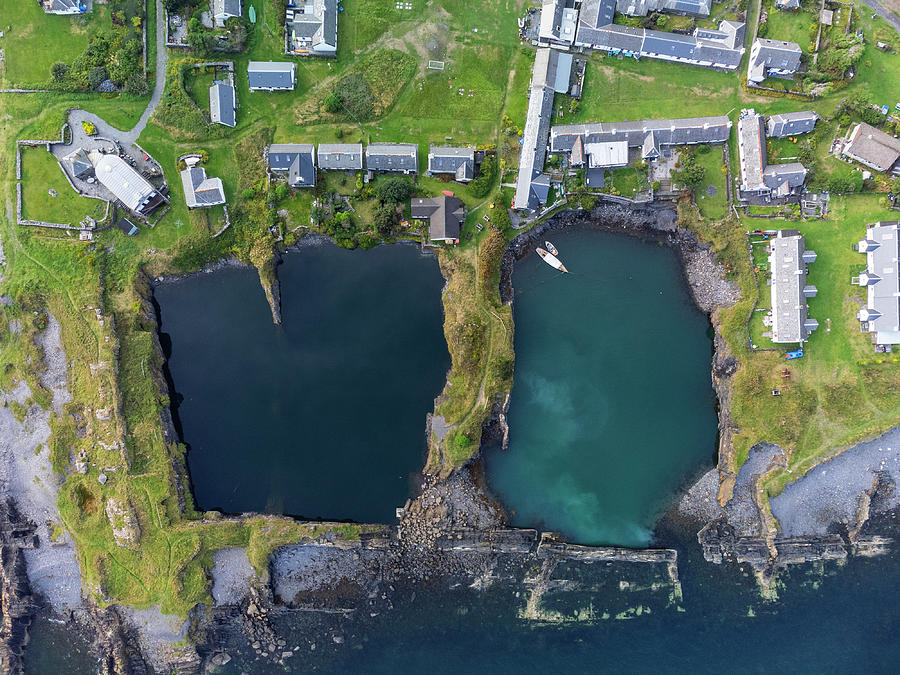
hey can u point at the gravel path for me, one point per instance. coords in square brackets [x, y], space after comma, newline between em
[830, 493]
[884, 13]
[232, 575]
[27, 477]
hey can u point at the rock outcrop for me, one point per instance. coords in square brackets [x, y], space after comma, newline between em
[16, 602]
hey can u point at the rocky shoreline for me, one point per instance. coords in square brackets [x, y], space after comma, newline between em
[453, 532]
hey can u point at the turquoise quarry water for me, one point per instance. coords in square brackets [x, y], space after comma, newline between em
[612, 409]
[323, 417]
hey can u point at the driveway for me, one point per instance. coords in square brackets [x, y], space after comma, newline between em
[162, 58]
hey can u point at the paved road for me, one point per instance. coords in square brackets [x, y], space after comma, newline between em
[884, 13]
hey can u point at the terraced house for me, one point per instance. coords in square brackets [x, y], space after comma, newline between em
[222, 10]
[788, 260]
[605, 145]
[758, 177]
[881, 279]
[458, 163]
[296, 161]
[340, 156]
[772, 58]
[392, 158]
[711, 48]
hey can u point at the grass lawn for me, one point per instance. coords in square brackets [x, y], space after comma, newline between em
[627, 180]
[28, 32]
[793, 25]
[197, 83]
[40, 174]
[712, 206]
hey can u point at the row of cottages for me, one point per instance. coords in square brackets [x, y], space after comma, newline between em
[874, 148]
[64, 6]
[222, 10]
[311, 28]
[605, 145]
[592, 27]
[772, 58]
[881, 279]
[551, 74]
[788, 259]
[758, 177]
[298, 161]
[561, 20]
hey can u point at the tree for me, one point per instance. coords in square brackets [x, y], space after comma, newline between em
[662, 20]
[690, 174]
[59, 70]
[317, 214]
[281, 192]
[96, 77]
[394, 190]
[333, 102]
[385, 218]
[248, 194]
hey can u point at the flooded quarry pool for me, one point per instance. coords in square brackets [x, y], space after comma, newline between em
[324, 416]
[613, 409]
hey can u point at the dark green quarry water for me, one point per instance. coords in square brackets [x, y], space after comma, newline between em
[324, 416]
[612, 410]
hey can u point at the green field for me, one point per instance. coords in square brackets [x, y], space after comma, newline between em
[42, 173]
[28, 32]
[712, 206]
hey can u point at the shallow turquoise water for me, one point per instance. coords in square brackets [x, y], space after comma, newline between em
[612, 409]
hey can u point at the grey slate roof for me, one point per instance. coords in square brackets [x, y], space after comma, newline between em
[199, 190]
[720, 49]
[559, 20]
[752, 150]
[772, 55]
[312, 26]
[340, 156]
[881, 314]
[530, 184]
[79, 163]
[685, 131]
[791, 123]
[873, 147]
[445, 215]
[222, 104]
[645, 7]
[297, 160]
[392, 157]
[64, 6]
[788, 258]
[227, 8]
[787, 4]
[757, 175]
[271, 75]
[457, 161]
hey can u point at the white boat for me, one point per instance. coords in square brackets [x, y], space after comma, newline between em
[551, 260]
[551, 248]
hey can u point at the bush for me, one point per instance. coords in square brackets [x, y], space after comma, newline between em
[88, 127]
[482, 185]
[59, 70]
[394, 190]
